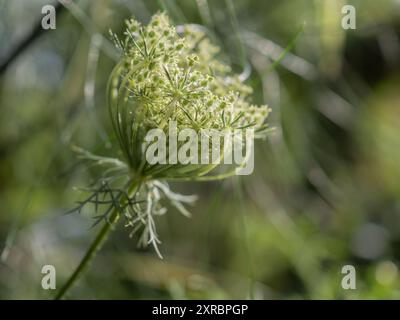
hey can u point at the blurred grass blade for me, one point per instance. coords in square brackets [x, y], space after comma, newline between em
[288, 48]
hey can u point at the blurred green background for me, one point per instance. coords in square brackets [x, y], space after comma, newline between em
[326, 187]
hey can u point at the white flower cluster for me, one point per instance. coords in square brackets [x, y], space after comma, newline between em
[164, 76]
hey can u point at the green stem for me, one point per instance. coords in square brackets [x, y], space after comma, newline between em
[95, 246]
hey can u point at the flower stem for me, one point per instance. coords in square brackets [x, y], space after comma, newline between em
[96, 245]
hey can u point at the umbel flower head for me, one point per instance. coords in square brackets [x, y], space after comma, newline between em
[165, 77]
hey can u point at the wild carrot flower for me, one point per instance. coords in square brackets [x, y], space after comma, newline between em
[164, 76]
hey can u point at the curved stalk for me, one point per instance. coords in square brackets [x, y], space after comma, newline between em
[95, 246]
